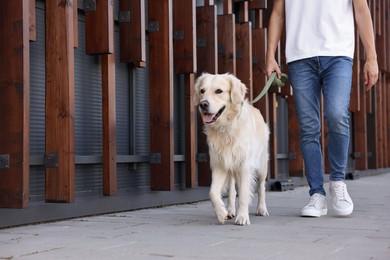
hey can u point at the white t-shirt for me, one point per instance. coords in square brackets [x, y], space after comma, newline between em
[319, 28]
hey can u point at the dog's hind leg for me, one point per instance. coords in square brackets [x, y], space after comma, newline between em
[217, 184]
[261, 205]
[231, 198]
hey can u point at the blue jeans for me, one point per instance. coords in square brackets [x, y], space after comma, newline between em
[333, 77]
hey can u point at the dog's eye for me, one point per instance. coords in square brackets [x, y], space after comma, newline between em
[202, 91]
[218, 91]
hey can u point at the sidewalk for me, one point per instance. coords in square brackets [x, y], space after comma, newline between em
[191, 232]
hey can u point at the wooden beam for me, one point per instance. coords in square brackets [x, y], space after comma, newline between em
[132, 32]
[60, 101]
[99, 28]
[207, 61]
[190, 115]
[207, 41]
[109, 125]
[226, 44]
[273, 160]
[14, 103]
[161, 94]
[75, 24]
[244, 55]
[360, 133]
[258, 67]
[184, 31]
[257, 4]
[227, 6]
[296, 164]
[33, 20]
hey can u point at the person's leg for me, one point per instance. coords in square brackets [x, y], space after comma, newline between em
[337, 80]
[304, 76]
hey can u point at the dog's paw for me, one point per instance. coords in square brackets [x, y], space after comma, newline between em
[222, 215]
[231, 213]
[242, 220]
[262, 212]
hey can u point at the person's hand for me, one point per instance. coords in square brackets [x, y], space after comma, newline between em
[370, 73]
[272, 66]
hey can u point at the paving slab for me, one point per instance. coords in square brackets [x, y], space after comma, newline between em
[190, 231]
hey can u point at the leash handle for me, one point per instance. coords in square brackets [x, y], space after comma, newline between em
[266, 88]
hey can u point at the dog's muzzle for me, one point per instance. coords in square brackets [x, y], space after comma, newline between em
[209, 118]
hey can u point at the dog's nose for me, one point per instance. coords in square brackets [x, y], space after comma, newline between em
[204, 104]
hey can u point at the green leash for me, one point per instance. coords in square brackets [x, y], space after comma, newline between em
[272, 81]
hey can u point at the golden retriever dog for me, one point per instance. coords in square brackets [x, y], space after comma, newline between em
[237, 137]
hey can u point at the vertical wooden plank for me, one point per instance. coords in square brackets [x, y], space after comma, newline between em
[258, 4]
[207, 61]
[355, 88]
[259, 78]
[273, 137]
[244, 55]
[161, 94]
[226, 44]
[388, 118]
[132, 33]
[99, 28]
[190, 112]
[360, 133]
[75, 24]
[385, 104]
[184, 31]
[109, 125]
[33, 21]
[207, 41]
[14, 103]
[296, 164]
[60, 100]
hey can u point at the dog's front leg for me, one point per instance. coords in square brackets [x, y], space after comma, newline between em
[217, 184]
[243, 182]
[232, 198]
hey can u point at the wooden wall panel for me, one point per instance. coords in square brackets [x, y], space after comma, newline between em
[296, 164]
[161, 94]
[14, 103]
[258, 66]
[109, 125]
[132, 33]
[244, 55]
[190, 115]
[207, 61]
[60, 101]
[273, 144]
[184, 31]
[75, 24]
[99, 28]
[226, 44]
[360, 133]
[207, 41]
[33, 20]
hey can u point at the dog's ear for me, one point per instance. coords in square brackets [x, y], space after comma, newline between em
[198, 84]
[237, 91]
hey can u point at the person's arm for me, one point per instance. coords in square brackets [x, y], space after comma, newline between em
[275, 28]
[366, 32]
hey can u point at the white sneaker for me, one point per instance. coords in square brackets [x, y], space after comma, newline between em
[316, 207]
[342, 202]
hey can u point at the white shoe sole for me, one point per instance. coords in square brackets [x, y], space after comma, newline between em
[344, 212]
[314, 213]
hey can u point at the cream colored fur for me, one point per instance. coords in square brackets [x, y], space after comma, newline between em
[238, 145]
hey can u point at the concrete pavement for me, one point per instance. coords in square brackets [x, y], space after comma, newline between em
[191, 231]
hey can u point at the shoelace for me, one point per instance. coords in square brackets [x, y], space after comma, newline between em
[314, 199]
[340, 191]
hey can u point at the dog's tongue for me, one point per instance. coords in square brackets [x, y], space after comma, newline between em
[208, 118]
